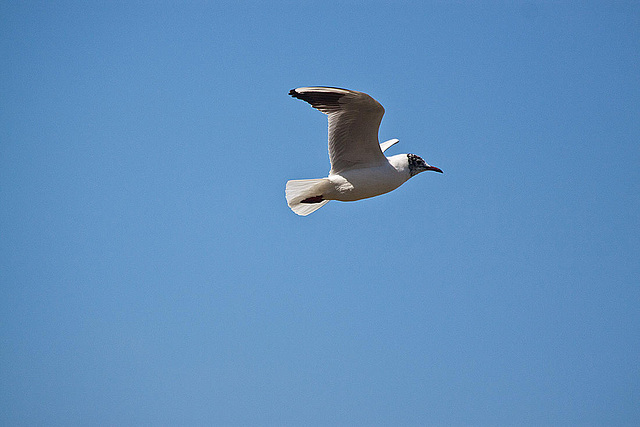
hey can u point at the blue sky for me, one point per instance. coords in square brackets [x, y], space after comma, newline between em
[151, 272]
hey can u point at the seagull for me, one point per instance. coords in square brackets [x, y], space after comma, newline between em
[359, 169]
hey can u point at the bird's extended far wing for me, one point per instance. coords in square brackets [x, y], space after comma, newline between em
[354, 119]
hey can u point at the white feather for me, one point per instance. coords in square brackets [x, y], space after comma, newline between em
[385, 145]
[301, 189]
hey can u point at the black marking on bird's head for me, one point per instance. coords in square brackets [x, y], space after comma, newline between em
[417, 165]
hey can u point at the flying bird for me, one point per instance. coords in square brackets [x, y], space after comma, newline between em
[359, 169]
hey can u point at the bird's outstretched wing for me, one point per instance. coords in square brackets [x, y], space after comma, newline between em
[354, 119]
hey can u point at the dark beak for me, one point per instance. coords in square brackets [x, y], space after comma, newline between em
[435, 169]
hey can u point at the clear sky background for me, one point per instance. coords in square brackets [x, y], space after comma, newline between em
[152, 273]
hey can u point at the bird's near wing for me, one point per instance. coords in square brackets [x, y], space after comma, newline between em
[354, 119]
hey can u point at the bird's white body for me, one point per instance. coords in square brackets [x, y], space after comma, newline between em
[362, 183]
[359, 169]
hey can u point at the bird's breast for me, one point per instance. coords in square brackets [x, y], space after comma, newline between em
[356, 184]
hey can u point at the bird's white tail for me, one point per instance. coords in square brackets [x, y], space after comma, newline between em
[302, 193]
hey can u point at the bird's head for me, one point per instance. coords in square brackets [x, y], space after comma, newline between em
[417, 165]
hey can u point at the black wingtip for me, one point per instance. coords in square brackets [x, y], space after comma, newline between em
[325, 101]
